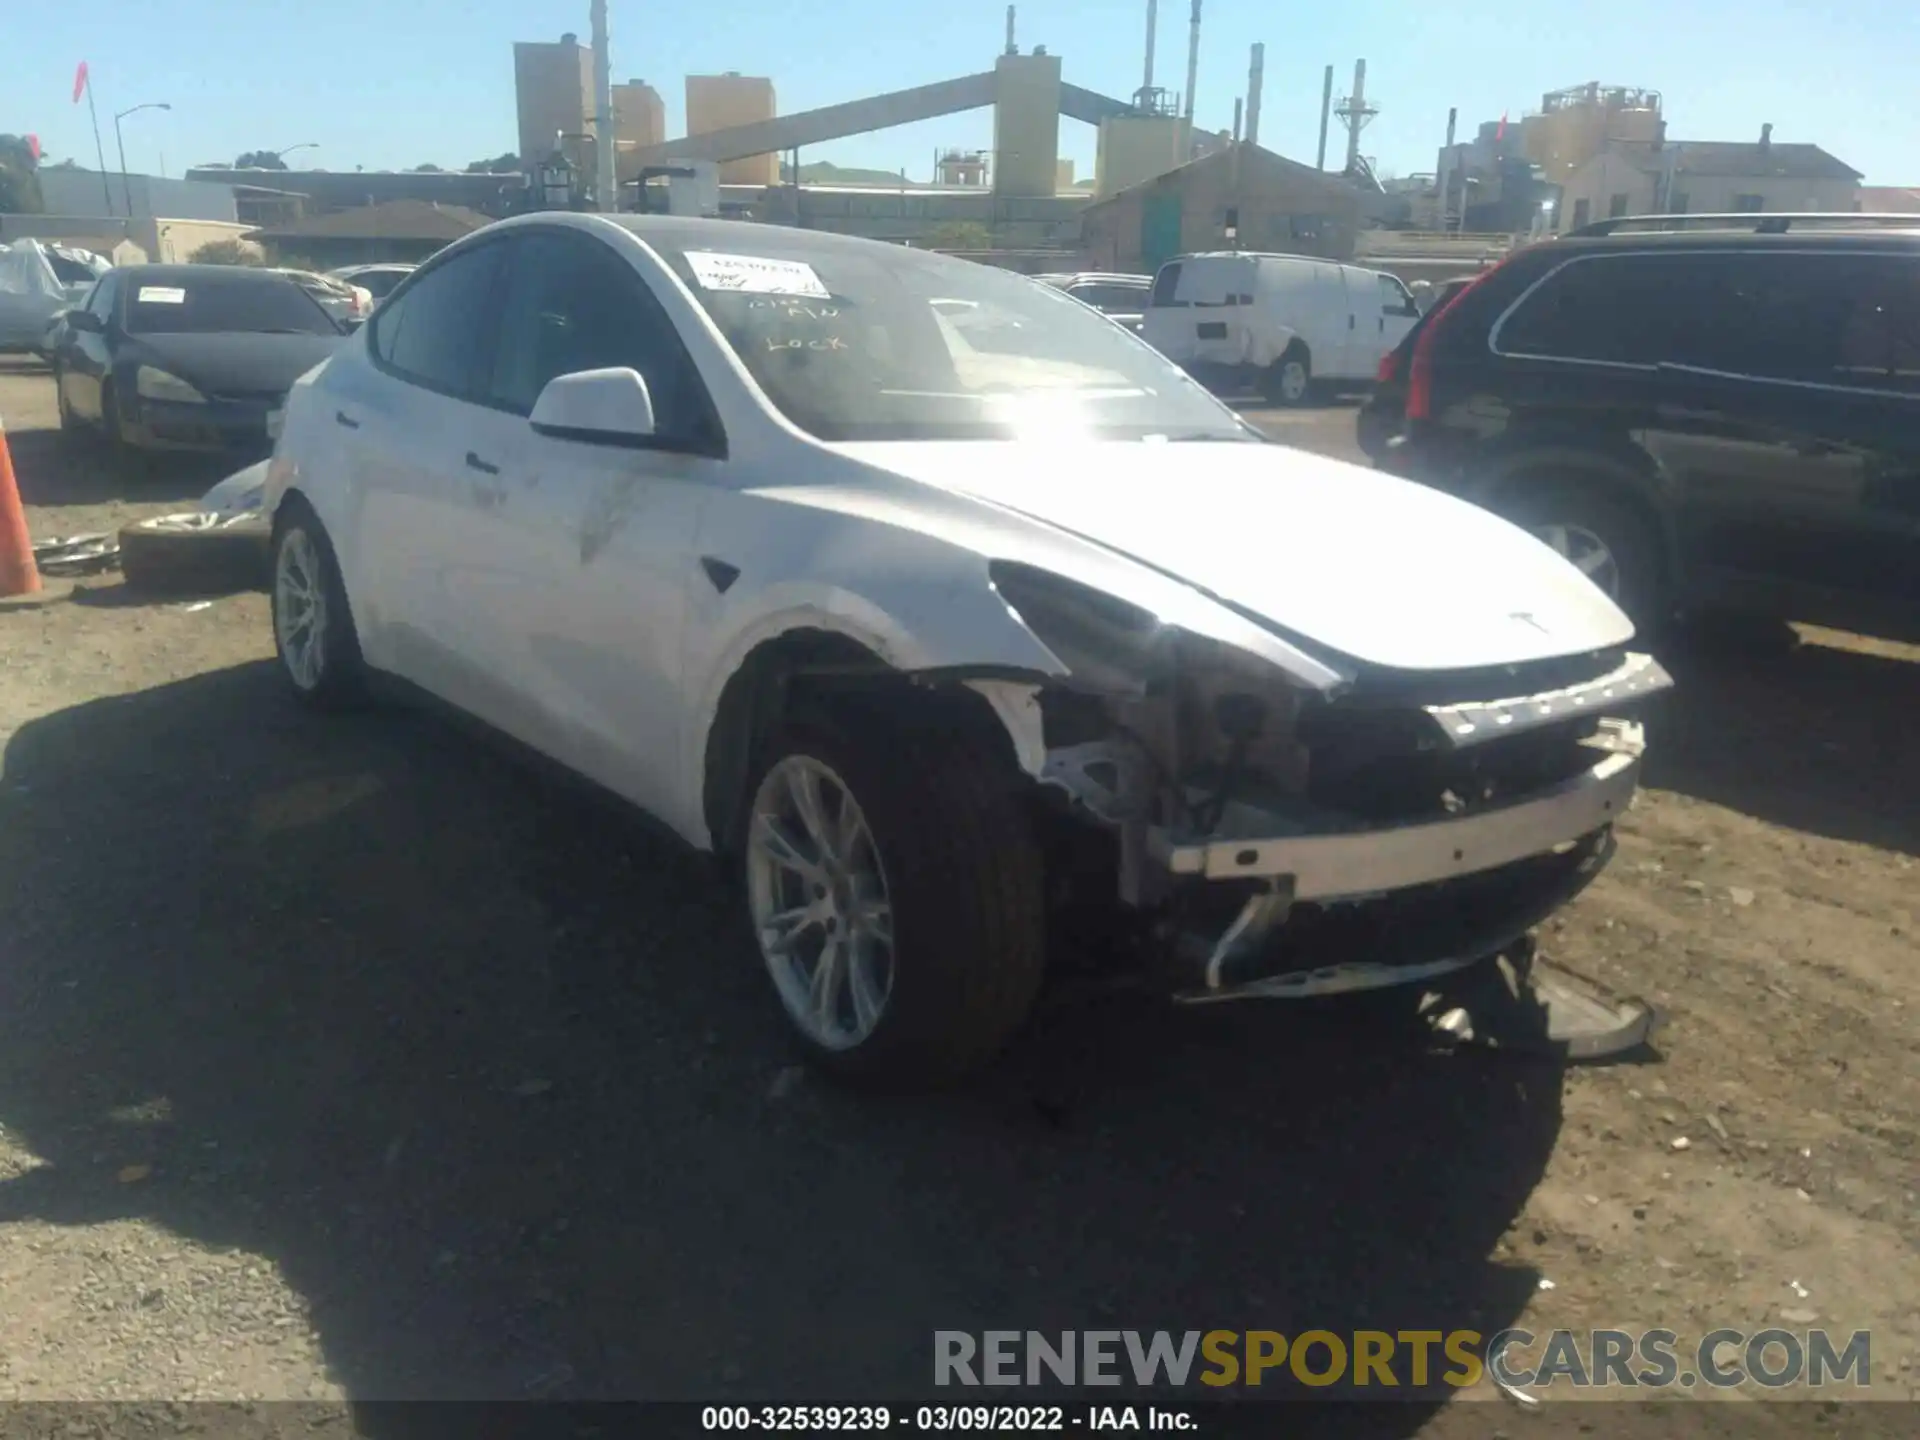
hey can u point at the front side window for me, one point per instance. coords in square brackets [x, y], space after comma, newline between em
[573, 305]
[1395, 298]
[433, 333]
[878, 343]
[203, 304]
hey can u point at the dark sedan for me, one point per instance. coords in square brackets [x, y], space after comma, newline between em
[187, 357]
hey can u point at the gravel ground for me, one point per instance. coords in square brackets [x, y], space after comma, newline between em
[354, 1059]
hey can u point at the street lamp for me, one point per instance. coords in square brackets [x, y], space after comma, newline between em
[281, 155]
[126, 190]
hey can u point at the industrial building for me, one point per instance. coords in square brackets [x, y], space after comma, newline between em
[553, 96]
[1241, 197]
[725, 102]
[639, 123]
[1574, 125]
[1709, 177]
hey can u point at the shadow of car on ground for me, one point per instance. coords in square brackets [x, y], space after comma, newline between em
[493, 1076]
[1813, 736]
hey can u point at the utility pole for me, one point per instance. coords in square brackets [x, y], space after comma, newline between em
[606, 183]
[1326, 110]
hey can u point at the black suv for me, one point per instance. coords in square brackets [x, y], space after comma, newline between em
[1703, 412]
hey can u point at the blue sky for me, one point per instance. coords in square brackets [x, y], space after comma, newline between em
[392, 85]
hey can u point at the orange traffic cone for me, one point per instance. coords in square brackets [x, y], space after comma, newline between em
[18, 574]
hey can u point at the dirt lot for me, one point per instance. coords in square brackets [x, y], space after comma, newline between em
[354, 1059]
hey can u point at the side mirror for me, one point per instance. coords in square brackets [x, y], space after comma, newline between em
[85, 320]
[607, 407]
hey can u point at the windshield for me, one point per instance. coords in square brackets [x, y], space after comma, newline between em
[204, 305]
[885, 344]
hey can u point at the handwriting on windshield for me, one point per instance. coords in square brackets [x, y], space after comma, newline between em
[832, 342]
[794, 309]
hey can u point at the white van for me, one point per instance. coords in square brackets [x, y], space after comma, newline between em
[1279, 324]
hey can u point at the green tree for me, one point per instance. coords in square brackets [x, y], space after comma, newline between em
[225, 252]
[260, 160]
[498, 165]
[958, 235]
[428, 170]
[19, 178]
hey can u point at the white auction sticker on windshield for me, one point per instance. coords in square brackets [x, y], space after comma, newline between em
[756, 275]
[161, 295]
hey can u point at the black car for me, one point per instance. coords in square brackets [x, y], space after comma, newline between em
[187, 357]
[1704, 413]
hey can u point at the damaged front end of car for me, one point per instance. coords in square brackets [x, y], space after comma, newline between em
[1343, 828]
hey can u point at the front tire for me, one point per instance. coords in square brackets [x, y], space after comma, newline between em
[894, 885]
[313, 630]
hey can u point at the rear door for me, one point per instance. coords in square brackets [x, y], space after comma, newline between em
[409, 420]
[1794, 419]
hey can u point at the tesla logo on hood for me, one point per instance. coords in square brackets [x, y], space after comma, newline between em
[1525, 617]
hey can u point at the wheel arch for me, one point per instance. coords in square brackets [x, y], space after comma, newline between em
[811, 664]
[1617, 471]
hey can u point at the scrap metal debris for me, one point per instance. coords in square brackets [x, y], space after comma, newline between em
[1522, 1006]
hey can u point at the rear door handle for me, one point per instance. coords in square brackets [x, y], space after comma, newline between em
[340, 417]
[474, 462]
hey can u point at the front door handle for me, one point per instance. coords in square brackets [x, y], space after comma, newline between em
[474, 462]
[340, 417]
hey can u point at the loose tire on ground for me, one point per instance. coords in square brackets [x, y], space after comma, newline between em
[191, 554]
[310, 607]
[963, 876]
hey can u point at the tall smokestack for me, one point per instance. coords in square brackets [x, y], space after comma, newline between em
[1153, 25]
[1236, 119]
[1255, 69]
[1193, 58]
[1453, 118]
[1326, 111]
[1359, 106]
[1012, 49]
[606, 183]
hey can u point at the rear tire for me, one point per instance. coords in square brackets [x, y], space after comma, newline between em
[1289, 380]
[1573, 518]
[951, 860]
[313, 630]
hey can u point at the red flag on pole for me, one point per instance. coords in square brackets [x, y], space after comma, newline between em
[33, 148]
[1499, 134]
[79, 82]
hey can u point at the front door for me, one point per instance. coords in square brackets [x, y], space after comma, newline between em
[583, 595]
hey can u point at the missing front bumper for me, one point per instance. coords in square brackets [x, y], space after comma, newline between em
[1366, 861]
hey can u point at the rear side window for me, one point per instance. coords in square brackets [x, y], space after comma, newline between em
[1815, 317]
[434, 333]
[1164, 284]
[1617, 309]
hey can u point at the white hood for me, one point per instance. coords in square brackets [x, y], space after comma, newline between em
[1382, 570]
